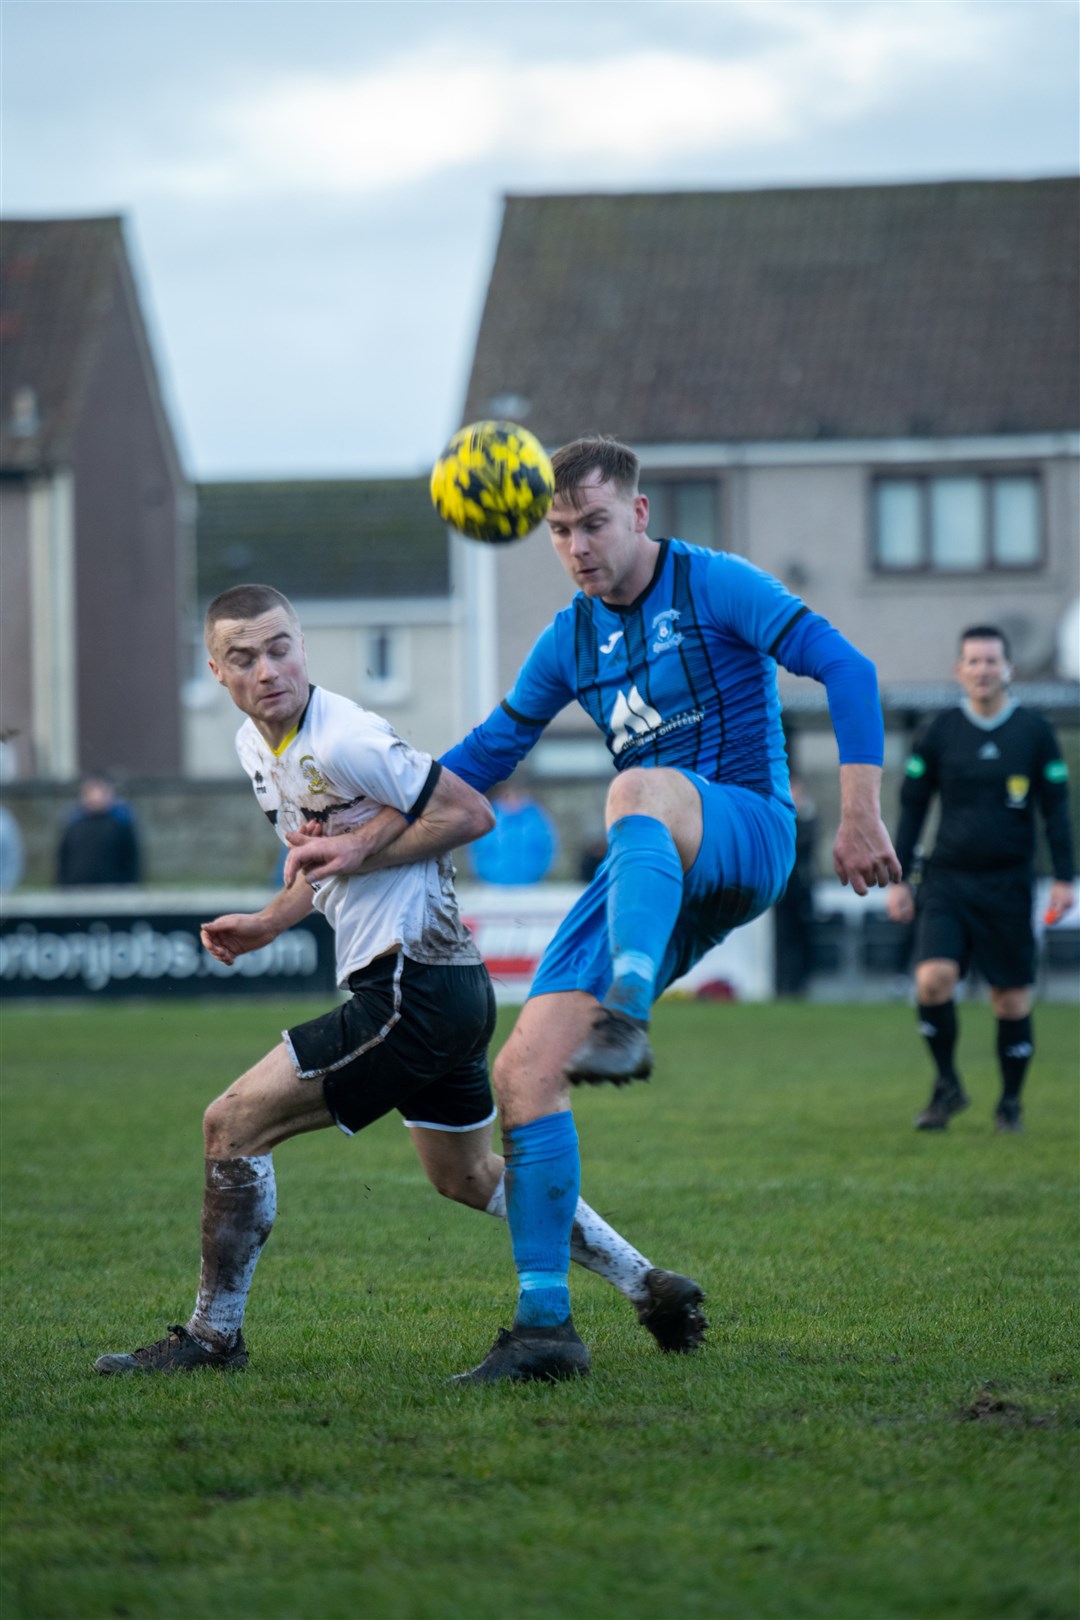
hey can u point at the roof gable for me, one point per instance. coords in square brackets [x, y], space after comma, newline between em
[854, 312]
[322, 538]
[56, 287]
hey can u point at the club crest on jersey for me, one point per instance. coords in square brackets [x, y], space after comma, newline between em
[1017, 789]
[667, 637]
[312, 775]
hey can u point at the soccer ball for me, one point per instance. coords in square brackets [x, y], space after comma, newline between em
[493, 482]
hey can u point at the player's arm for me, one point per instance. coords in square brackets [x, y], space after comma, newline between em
[451, 814]
[237, 933]
[1052, 792]
[489, 753]
[919, 786]
[807, 644]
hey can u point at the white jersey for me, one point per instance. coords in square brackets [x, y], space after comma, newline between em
[340, 766]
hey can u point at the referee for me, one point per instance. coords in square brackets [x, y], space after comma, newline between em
[991, 762]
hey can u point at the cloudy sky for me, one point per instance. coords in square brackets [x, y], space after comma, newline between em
[313, 190]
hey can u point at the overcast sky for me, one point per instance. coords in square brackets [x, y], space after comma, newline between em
[313, 190]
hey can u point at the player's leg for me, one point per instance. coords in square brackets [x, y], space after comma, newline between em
[1015, 1049]
[263, 1108]
[943, 938]
[461, 1164]
[1005, 953]
[654, 821]
[543, 1175]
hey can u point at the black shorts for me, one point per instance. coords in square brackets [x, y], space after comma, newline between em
[980, 917]
[412, 1037]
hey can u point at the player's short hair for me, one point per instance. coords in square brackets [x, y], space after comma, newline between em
[985, 632]
[597, 452]
[245, 602]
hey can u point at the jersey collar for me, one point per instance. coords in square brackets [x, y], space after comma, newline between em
[994, 721]
[294, 733]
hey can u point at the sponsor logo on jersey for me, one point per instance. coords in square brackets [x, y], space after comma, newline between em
[1017, 789]
[916, 765]
[989, 750]
[612, 641]
[312, 775]
[633, 721]
[667, 637]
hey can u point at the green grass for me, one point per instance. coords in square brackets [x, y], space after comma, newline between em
[884, 1423]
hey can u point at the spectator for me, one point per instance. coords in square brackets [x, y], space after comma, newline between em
[100, 843]
[520, 847]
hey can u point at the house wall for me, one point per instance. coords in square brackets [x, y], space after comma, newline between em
[129, 565]
[808, 522]
[16, 646]
[37, 633]
[818, 518]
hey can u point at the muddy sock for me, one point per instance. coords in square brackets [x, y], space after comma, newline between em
[597, 1247]
[239, 1205]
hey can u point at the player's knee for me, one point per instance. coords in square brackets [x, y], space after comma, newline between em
[936, 981]
[219, 1128]
[631, 793]
[461, 1185]
[1010, 1003]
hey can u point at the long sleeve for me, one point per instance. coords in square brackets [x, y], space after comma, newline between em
[1053, 795]
[919, 786]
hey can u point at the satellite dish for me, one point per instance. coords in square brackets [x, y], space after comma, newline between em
[1068, 643]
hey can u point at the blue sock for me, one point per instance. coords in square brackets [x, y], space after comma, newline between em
[645, 896]
[543, 1179]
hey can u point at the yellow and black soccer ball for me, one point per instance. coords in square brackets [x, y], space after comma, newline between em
[493, 482]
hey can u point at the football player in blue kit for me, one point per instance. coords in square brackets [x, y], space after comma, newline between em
[671, 649]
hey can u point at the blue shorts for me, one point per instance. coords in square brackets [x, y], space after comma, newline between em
[742, 868]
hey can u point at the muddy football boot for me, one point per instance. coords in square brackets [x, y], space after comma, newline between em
[617, 1050]
[947, 1098]
[178, 1353]
[529, 1355]
[672, 1313]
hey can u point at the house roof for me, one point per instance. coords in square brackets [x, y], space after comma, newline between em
[845, 312]
[57, 285]
[322, 538]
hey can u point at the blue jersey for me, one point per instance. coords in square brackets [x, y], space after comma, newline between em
[684, 677]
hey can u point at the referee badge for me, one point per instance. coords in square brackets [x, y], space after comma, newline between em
[1017, 789]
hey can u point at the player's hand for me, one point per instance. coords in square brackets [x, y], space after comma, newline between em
[1062, 900]
[900, 903]
[319, 857]
[235, 934]
[863, 854]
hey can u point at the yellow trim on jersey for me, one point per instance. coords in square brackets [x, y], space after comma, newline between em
[284, 743]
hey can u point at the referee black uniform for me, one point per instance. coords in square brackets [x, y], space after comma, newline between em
[976, 898]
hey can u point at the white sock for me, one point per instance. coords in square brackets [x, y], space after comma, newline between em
[239, 1206]
[596, 1246]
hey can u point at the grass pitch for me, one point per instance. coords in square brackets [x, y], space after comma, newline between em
[884, 1423]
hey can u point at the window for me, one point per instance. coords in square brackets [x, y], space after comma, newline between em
[957, 523]
[385, 672]
[686, 508]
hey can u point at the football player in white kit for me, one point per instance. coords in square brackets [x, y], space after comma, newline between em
[414, 1033]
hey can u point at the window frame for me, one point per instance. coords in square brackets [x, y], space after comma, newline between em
[924, 477]
[669, 477]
